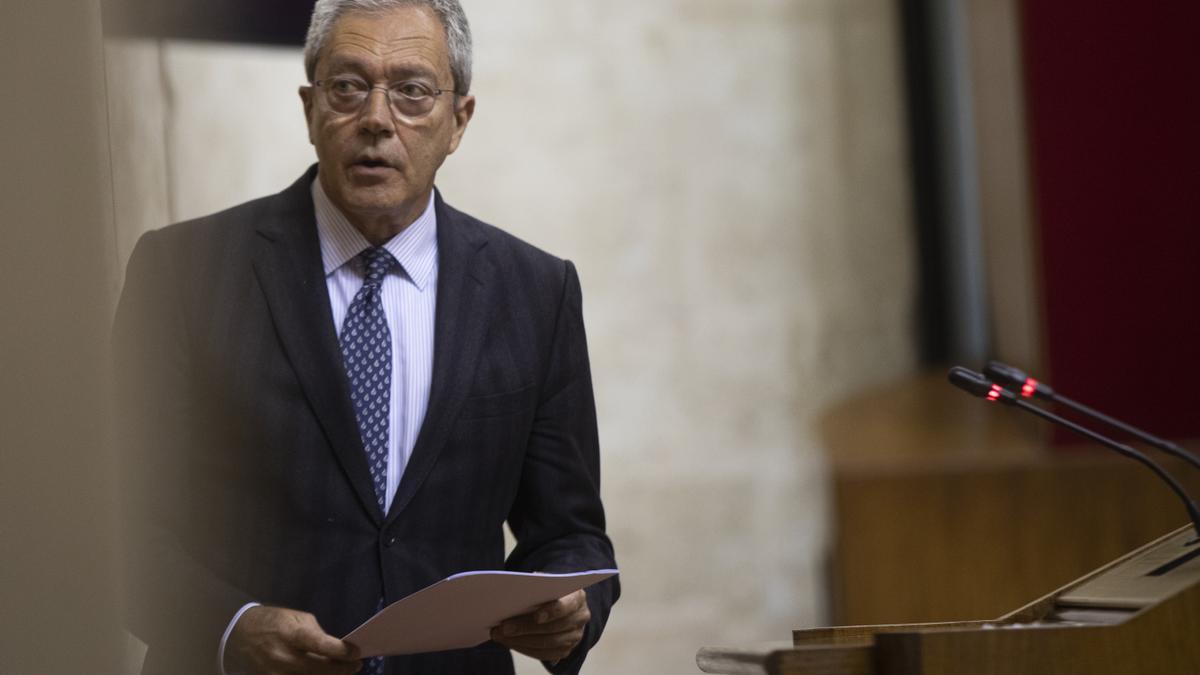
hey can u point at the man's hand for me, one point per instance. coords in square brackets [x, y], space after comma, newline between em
[277, 640]
[548, 633]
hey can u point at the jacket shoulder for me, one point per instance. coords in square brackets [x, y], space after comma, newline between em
[287, 208]
[231, 223]
[508, 250]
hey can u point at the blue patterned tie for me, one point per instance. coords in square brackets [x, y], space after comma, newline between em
[367, 350]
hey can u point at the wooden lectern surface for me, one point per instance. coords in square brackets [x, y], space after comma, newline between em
[781, 657]
[1142, 581]
[1048, 635]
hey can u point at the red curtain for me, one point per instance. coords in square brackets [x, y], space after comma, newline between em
[1113, 92]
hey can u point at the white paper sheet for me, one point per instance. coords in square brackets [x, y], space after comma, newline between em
[461, 610]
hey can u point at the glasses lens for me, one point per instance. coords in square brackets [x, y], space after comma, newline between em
[346, 94]
[412, 99]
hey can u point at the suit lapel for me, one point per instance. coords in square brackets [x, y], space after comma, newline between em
[289, 268]
[464, 296]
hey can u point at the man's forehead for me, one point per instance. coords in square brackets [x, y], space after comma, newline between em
[395, 26]
[409, 32]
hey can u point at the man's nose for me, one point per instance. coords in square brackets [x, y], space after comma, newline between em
[375, 117]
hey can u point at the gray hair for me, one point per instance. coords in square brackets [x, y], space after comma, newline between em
[458, 33]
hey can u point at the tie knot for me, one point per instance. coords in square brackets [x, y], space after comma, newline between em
[377, 261]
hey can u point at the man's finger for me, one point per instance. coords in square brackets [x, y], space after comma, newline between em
[564, 641]
[545, 647]
[533, 623]
[551, 655]
[310, 664]
[563, 625]
[308, 637]
[334, 649]
[527, 626]
[282, 659]
[315, 664]
[557, 609]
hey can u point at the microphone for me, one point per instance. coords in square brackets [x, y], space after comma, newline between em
[978, 385]
[1016, 379]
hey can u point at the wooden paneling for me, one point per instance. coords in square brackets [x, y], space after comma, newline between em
[947, 508]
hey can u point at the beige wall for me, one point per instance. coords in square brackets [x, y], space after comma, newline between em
[730, 179]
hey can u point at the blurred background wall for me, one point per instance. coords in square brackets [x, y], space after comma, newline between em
[730, 178]
[58, 609]
[786, 213]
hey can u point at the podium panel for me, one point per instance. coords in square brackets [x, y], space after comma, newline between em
[1138, 614]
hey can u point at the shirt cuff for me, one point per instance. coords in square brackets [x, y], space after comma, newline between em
[225, 637]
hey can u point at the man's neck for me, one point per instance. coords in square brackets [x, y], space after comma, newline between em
[380, 228]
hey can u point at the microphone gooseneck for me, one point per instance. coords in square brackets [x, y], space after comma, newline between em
[1015, 379]
[978, 385]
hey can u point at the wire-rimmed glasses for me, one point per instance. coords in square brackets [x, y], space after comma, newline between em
[349, 93]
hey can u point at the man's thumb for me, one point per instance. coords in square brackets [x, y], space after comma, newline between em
[312, 639]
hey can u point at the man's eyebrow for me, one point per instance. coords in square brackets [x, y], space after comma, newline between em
[339, 61]
[411, 70]
[398, 71]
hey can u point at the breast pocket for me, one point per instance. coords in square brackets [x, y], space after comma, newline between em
[499, 405]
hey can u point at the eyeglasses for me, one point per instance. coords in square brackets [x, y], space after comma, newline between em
[410, 98]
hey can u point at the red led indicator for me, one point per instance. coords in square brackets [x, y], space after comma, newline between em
[1029, 388]
[994, 394]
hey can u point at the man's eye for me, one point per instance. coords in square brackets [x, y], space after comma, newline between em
[412, 89]
[346, 86]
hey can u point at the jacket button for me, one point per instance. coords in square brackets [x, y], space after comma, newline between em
[390, 542]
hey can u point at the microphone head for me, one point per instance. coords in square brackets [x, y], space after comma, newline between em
[1017, 380]
[1005, 374]
[977, 385]
[970, 381]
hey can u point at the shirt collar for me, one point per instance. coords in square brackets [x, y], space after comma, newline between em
[415, 248]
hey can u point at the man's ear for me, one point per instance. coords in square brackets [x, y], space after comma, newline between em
[306, 97]
[463, 112]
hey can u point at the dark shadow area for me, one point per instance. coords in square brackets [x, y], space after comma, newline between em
[278, 22]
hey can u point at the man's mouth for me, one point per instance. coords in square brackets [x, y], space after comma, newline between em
[372, 169]
[373, 163]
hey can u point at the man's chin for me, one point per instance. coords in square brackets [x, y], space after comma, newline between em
[369, 202]
[373, 195]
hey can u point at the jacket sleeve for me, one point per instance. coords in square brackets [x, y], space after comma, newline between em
[557, 517]
[173, 602]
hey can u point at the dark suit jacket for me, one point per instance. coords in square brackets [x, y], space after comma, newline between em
[248, 480]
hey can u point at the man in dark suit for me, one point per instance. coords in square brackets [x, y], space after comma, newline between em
[339, 394]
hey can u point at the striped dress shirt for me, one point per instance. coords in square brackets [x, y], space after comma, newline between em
[409, 295]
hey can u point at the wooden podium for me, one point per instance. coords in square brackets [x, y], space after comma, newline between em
[1138, 614]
